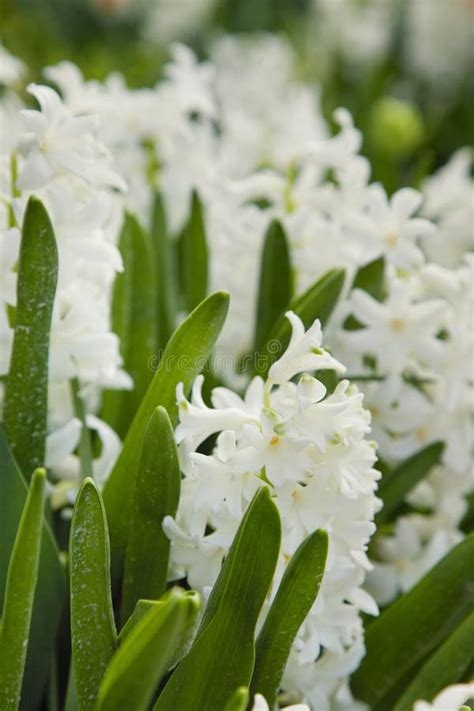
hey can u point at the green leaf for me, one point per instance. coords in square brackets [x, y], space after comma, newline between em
[239, 700]
[19, 594]
[275, 282]
[467, 523]
[188, 632]
[71, 703]
[144, 606]
[223, 654]
[296, 594]
[394, 487]
[51, 585]
[141, 609]
[371, 278]
[26, 386]
[84, 447]
[446, 666]
[94, 639]
[164, 271]
[411, 628]
[195, 257]
[134, 320]
[146, 654]
[317, 302]
[184, 357]
[156, 495]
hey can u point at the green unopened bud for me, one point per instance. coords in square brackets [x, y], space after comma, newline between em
[395, 127]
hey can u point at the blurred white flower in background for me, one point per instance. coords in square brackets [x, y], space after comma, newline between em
[438, 42]
[449, 202]
[361, 32]
[167, 20]
[12, 69]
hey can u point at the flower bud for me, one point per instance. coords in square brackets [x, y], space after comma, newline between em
[395, 127]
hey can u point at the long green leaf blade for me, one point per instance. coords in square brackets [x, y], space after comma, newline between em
[195, 256]
[93, 633]
[411, 628]
[147, 653]
[156, 496]
[134, 320]
[19, 594]
[84, 448]
[275, 282]
[51, 584]
[184, 357]
[396, 485]
[26, 387]
[223, 655]
[446, 666]
[317, 302]
[296, 594]
[165, 272]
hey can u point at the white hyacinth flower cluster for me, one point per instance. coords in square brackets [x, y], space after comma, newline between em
[449, 202]
[414, 350]
[450, 699]
[359, 32]
[167, 21]
[55, 154]
[213, 127]
[366, 34]
[311, 448]
[431, 25]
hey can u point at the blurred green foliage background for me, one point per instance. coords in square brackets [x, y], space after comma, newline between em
[409, 127]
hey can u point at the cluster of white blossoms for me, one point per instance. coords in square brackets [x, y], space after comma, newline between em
[450, 699]
[55, 155]
[431, 25]
[311, 448]
[364, 34]
[360, 33]
[449, 202]
[219, 127]
[415, 352]
[166, 21]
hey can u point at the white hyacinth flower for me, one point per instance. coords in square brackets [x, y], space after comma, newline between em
[57, 141]
[304, 353]
[260, 704]
[450, 699]
[59, 156]
[310, 447]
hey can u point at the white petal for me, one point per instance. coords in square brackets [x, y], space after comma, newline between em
[62, 442]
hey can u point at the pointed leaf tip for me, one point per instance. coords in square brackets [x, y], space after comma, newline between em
[157, 489]
[26, 388]
[93, 633]
[20, 593]
[185, 356]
